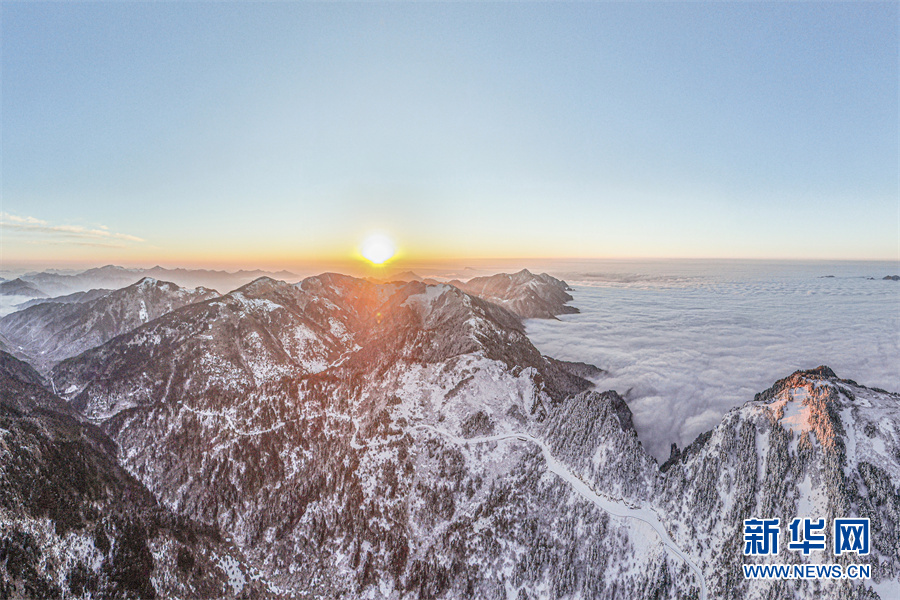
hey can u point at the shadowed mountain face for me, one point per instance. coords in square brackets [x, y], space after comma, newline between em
[74, 524]
[529, 296]
[405, 440]
[51, 331]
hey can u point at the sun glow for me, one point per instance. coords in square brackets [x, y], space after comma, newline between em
[377, 249]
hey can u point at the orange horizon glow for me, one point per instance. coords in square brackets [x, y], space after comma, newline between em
[307, 256]
[352, 263]
[352, 259]
[313, 252]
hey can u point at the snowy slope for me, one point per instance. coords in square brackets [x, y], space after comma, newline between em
[47, 333]
[406, 440]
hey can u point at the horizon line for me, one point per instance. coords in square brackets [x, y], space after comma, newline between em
[401, 264]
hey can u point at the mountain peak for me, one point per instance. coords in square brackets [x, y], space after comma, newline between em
[20, 287]
[264, 286]
[146, 282]
[527, 295]
[264, 280]
[404, 276]
[820, 371]
[52, 331]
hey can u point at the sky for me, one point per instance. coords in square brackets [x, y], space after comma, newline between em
[272, 134]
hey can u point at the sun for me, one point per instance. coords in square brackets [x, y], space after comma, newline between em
[377, 249]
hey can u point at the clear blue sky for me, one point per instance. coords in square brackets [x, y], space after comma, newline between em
[256, 133]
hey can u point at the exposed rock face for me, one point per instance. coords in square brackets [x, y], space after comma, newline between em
[51, 331]
[579, 369]
[529, 296]
[75, 524]
[405, 440]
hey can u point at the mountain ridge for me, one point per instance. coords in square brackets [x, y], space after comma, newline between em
[113, 276]
[408, 441]
[528, 295]
[49, 332]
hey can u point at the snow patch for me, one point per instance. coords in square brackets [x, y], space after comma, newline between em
[232, 569]
[425, 301]
[796, 414]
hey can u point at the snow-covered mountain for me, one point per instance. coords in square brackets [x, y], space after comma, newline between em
[404, 440]
[74, 524]
[341, 454]
[529, 296]
[51, 331]
[812, 446]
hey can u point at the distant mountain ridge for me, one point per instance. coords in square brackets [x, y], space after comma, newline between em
[20, 287]
[51, 331]
[529, 296]
[114, 277]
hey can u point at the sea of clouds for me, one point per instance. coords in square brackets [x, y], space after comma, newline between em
[685, 342]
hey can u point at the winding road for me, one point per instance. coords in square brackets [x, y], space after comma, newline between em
[616, 508]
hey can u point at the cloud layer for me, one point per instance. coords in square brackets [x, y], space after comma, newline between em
[685, 348]
[64, 233]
